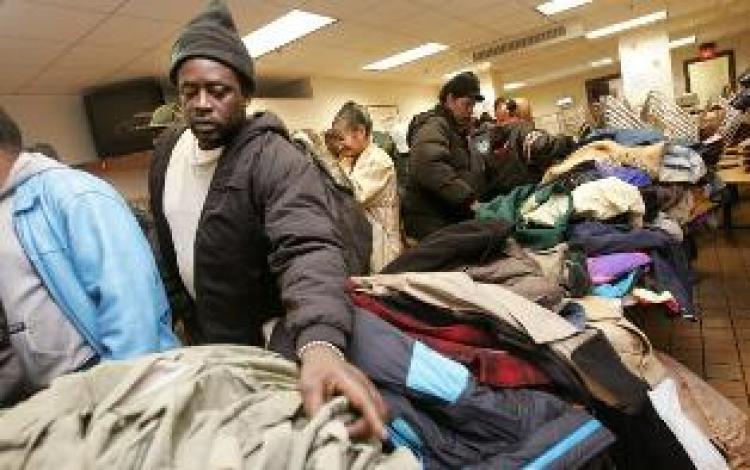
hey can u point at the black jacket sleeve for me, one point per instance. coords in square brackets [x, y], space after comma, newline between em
[430, 164]
[306, 254]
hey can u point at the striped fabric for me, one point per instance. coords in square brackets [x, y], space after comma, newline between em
[617, 114]
[733, 119]
[664, 114]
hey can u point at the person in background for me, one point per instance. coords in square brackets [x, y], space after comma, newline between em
[78, 283]
[165, 116]
[501, 109]
[445, 179]
[243, 222]
[373, 176]
[515, 151]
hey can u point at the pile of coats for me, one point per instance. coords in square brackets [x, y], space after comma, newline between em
[534, 294]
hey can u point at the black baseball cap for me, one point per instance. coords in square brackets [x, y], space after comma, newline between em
[462, 84]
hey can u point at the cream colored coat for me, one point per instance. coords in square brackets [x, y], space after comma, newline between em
[374, 179]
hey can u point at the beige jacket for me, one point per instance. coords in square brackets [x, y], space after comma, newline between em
[374, 179]
[200, 408]
[648, 158]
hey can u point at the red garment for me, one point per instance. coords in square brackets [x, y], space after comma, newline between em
[467, 344]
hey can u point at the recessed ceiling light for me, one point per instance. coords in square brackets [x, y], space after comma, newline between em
[283, 30]
[681, 42]
[556, 6]
[626, 25]
[405, 57]
[513, 86]
[602, 62]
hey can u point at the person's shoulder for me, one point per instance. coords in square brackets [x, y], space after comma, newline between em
[377, 157]
[66, 183]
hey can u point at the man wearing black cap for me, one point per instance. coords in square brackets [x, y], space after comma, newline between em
[243, 223]
[445, 180]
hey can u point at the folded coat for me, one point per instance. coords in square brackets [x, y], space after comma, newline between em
[647, 158]
[671, 269]
[587, 352]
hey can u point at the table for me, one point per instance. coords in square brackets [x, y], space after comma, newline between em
[734, 177]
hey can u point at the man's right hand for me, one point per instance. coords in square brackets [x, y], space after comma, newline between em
[324, 375]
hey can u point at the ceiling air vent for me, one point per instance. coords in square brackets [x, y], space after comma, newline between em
[539, 38]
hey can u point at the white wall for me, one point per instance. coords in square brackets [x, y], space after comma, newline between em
[59, 120]
[329, 94]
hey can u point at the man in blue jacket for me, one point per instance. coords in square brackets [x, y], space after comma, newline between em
[78, 281]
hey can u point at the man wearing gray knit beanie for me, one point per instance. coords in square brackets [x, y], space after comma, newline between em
[243, 224]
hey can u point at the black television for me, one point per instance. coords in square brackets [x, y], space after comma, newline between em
[118, 113]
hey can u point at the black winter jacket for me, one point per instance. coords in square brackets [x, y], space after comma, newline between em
[517, 154]
[266, 245]
[444, 176]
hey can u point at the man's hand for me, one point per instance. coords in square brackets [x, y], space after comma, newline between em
[324, 375]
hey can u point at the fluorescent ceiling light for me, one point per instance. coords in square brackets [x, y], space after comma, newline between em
[513, 86]
[479, 67]
[602, 62]
[283, 30]
[625, 25]
[681, 42]
[407, 56]
[556, 6]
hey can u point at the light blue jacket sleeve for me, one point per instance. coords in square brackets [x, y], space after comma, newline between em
[115, 265]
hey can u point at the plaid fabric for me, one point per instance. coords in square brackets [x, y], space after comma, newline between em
[673, 121]
[466, 344]
[618, 115]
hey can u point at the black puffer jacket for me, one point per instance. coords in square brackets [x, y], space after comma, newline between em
[444, 176]
[266, 244]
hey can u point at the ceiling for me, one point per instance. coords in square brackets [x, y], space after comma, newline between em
[65, 46]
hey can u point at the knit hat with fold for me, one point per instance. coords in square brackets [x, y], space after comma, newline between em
[213, 35]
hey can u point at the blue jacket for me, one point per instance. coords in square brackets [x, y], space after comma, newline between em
[94, 260]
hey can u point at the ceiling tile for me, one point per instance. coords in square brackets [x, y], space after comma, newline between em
[15, 51]
[123, 30]
[59, 80]
[97, 57]
[15, 77]
[180, 11]
[36, 21]
[98, 6]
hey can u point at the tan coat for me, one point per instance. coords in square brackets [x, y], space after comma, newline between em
[374, 179]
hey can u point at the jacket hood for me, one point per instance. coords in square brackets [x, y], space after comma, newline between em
[420, 119]
[26, 166]
[260, 123]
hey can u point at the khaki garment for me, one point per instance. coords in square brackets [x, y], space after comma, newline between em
[715, 415]
[647, 158]
[632, 345]
[208, 407]
[373, 176]
[458, 292]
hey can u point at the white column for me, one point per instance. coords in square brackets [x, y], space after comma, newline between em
[645, 65]
[488, 82]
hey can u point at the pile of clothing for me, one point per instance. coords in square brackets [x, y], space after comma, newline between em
[535, 294]
[625, 198]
